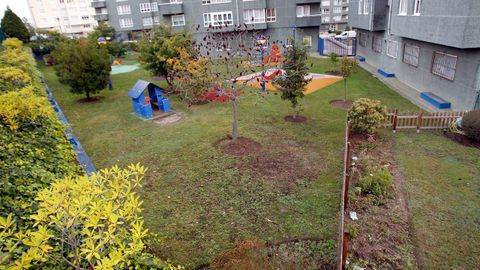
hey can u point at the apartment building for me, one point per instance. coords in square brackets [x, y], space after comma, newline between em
[277, 19]
[430, 45]
[71, 17]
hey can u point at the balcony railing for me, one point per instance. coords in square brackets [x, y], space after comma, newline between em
[170, 8]
[99, 4]
[101, 17]
[308, 21]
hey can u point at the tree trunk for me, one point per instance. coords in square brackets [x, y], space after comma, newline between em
[235, 118]
[88, 94]
[345, 89]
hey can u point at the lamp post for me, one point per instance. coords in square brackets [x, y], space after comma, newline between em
[261, 41]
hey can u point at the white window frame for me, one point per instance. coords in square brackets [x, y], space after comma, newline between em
[124, 10]
[337, 10]
[325, 19]
[303, 11]
[388, 51]
[362, 39]
[145, 7]
[123, 22]
[252, 16]
[439, 66]
[417, 7]
[366, 7]
[309, 41]
[272, 17]
[402, 7]
[147, 21]
[213, 2]
[360, 7]
[377, 44]
[179, 22]
[208, 18]
[408, 55]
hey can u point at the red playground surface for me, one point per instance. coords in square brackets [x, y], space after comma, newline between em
[223, 97]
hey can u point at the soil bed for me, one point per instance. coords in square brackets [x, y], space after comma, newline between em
[344, 104]
[240, 147]
[462, 139]
[333, 72]
[199, 102]
[90, 99]
[297, 119]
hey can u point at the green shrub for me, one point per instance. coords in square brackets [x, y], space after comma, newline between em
[333, 57]
[366, 115]
[471, 125]
[353, 229]
[377, 183]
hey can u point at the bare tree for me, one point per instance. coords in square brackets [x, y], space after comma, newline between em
[231, 48]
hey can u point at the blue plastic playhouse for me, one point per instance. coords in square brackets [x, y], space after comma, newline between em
[145, 102]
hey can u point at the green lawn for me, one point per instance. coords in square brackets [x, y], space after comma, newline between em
[443, 183]
[200, 201]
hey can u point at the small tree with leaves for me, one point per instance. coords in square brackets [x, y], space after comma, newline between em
[101, 30]
[229, 49]
[84, 66]
[191, 77]
[160, 45]
[295, 80]
[13, 26]
[347, 68]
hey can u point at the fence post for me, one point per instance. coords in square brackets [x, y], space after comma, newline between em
[346, 237]
[394, 125]
[419, 121]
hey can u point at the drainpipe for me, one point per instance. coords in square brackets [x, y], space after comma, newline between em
[238, 15]
[389, 22]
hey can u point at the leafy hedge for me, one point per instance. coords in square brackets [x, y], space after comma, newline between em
[33, 147]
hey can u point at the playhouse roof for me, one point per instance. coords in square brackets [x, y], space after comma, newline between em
[138, 88]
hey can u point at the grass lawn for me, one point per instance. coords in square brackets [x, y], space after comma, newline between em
[200, 201]
[443, 183]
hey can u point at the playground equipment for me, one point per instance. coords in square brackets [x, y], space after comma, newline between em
[275, 56]
[145, 102]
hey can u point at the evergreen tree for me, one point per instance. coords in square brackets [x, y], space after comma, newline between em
[294, 82]
[13, 26]
[84, 66]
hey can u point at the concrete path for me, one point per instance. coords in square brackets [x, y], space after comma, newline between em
[404, 90]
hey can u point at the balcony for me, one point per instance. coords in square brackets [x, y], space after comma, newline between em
[170, 9]
[374, 21]
[257, 26]
[308, 21]
[308, 2]
[101, 17]
[254, 4]
[99, 4]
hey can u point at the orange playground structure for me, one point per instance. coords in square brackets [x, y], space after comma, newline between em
[274, 57]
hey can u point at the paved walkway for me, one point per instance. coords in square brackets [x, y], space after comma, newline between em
[404, 90]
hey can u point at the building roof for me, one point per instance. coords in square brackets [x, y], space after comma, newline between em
[138, 88]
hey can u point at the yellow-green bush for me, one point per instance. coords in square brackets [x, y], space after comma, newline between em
[377, 182]
[12, 43]
[12, 78]
[366, 115]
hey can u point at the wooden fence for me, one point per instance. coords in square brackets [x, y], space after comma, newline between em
[343, 236]
[421, 120]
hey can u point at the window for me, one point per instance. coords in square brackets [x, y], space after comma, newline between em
[337, 18]
[208, 2]
[325, 3]
[444, 65]
[392, 48]
[332, 27]
[366, 6]
[307, 40]
[337, 10]
[325, 19]
[126, 22]
[175, 2]
[254, 16]
[271, 14]
[410, 54]
[217, 18]
[85, 17]
[147, 21]
[360, 6]
[363, 40]
[223, 45]
[145, 7]
[377, 44]
[289, 42]
[325, 11]
[303, 11]
[156, 20]
[402, 7]
[178, 20]
[122, 10]
[417, 7]
[121, 0]
[154, 6]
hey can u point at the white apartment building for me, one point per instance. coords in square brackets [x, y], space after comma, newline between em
[71, 17]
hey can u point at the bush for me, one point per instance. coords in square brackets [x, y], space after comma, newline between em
[366, 115]
[377, 183]
[12, 44]
[333, 57]
[471, 125]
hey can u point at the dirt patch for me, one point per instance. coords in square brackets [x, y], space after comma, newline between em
[343, 104]
[462, 139]
[199, 102]
[158, 78]
[240, 147]
[384, 237]
[90, 99]
[333, 72]
[169, 119]
[297, 119]
[284, 164]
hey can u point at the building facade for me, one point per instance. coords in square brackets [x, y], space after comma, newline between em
[277, 19]
[430, 45]
[71, 17]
